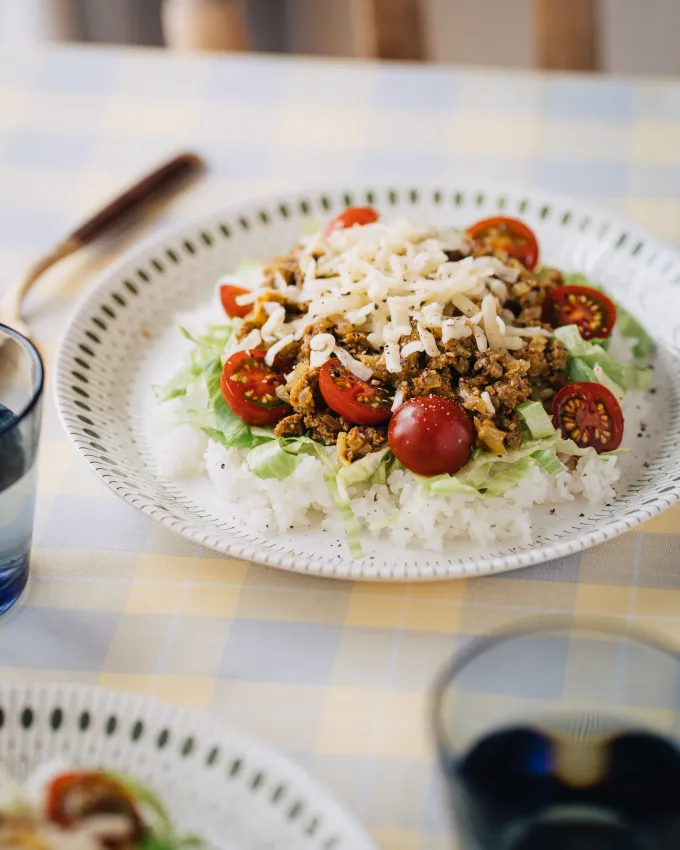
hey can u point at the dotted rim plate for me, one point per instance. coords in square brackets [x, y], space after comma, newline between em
[216, 782]
[107, 341]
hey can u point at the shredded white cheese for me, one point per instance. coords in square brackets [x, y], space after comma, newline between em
[274, 350]
[398, 400]
[480, 338]
[392, 358]
[414, 347]
[527, 332]
[493, 334]
[486, 398]
[274, 322]
[356, 367]
[389, 279]
[428, 341]
[250, 340]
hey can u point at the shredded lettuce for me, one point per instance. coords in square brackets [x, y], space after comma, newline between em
[591, 354]
[578, 370]
[626, 324]
[207, 347]
[510, 476]
[349, 521]
[571, 337]
[271, 460]
[483, 466]
[548, 460]
[249, 273]
[305, 446]
[360, 471]
[537, 420]
[448, 484]
[227, 429]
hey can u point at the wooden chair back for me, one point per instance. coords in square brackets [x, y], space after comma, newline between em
[564, 31]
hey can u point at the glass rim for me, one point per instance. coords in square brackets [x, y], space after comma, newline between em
[534, 626]
[37, 391]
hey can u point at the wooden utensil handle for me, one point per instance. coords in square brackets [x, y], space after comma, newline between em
[162, 178]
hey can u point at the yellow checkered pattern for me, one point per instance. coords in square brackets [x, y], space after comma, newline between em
[335, 674]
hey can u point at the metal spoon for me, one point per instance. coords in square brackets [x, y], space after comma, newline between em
[168, 177]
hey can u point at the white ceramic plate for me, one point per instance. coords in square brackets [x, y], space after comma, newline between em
[103, 373]
[217, 783]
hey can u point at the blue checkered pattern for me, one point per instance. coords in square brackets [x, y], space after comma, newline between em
[337, 675]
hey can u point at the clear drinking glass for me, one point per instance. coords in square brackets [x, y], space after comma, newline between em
[562, 736]
[21, 386]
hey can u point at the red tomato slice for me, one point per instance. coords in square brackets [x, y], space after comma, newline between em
[431, 435]
[228, 295]
[74, 797]
[590, 309]
[352, 217]
[588, 414]
[510, 235]
[249, 387]
[358, 401]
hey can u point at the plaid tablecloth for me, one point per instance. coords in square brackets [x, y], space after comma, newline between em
[335, 674]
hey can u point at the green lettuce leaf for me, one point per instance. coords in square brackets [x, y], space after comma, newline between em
[227, 428]
[349, 521]
[448, 484]
[626, 324]
[360, 471]
[591, 354]
[537, 420]
[483, 466]
[548, 460]
[207, 346]
[499, 484]
[271, 460]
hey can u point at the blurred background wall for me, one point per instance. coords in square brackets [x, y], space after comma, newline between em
[634, 36]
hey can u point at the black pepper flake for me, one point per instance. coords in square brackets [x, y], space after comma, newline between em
[646, 465]
[552, 511]
[653, 390]
[581, 515]
[221, 466]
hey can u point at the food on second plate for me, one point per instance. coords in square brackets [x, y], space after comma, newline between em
[421, 382]
[78, 809]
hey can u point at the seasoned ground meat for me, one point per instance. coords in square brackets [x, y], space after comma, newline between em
[431, 382]
[303, 389]
[528, 297]
[356, 343]
[460, 354]
[291, 426]
[360, 441]
[326, 426]
[286, 265]
[479, 380]
[489, 436]
[547, 358]
[259, 315]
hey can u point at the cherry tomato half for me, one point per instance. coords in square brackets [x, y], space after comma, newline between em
[431, 435]
[588, 414]
[74, 797]
[358, 401]
[590, 309]
[510, 235]
[229, 292]
[249, 387]
[352, 217]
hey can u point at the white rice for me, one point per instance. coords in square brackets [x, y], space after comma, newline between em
[399, 510]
